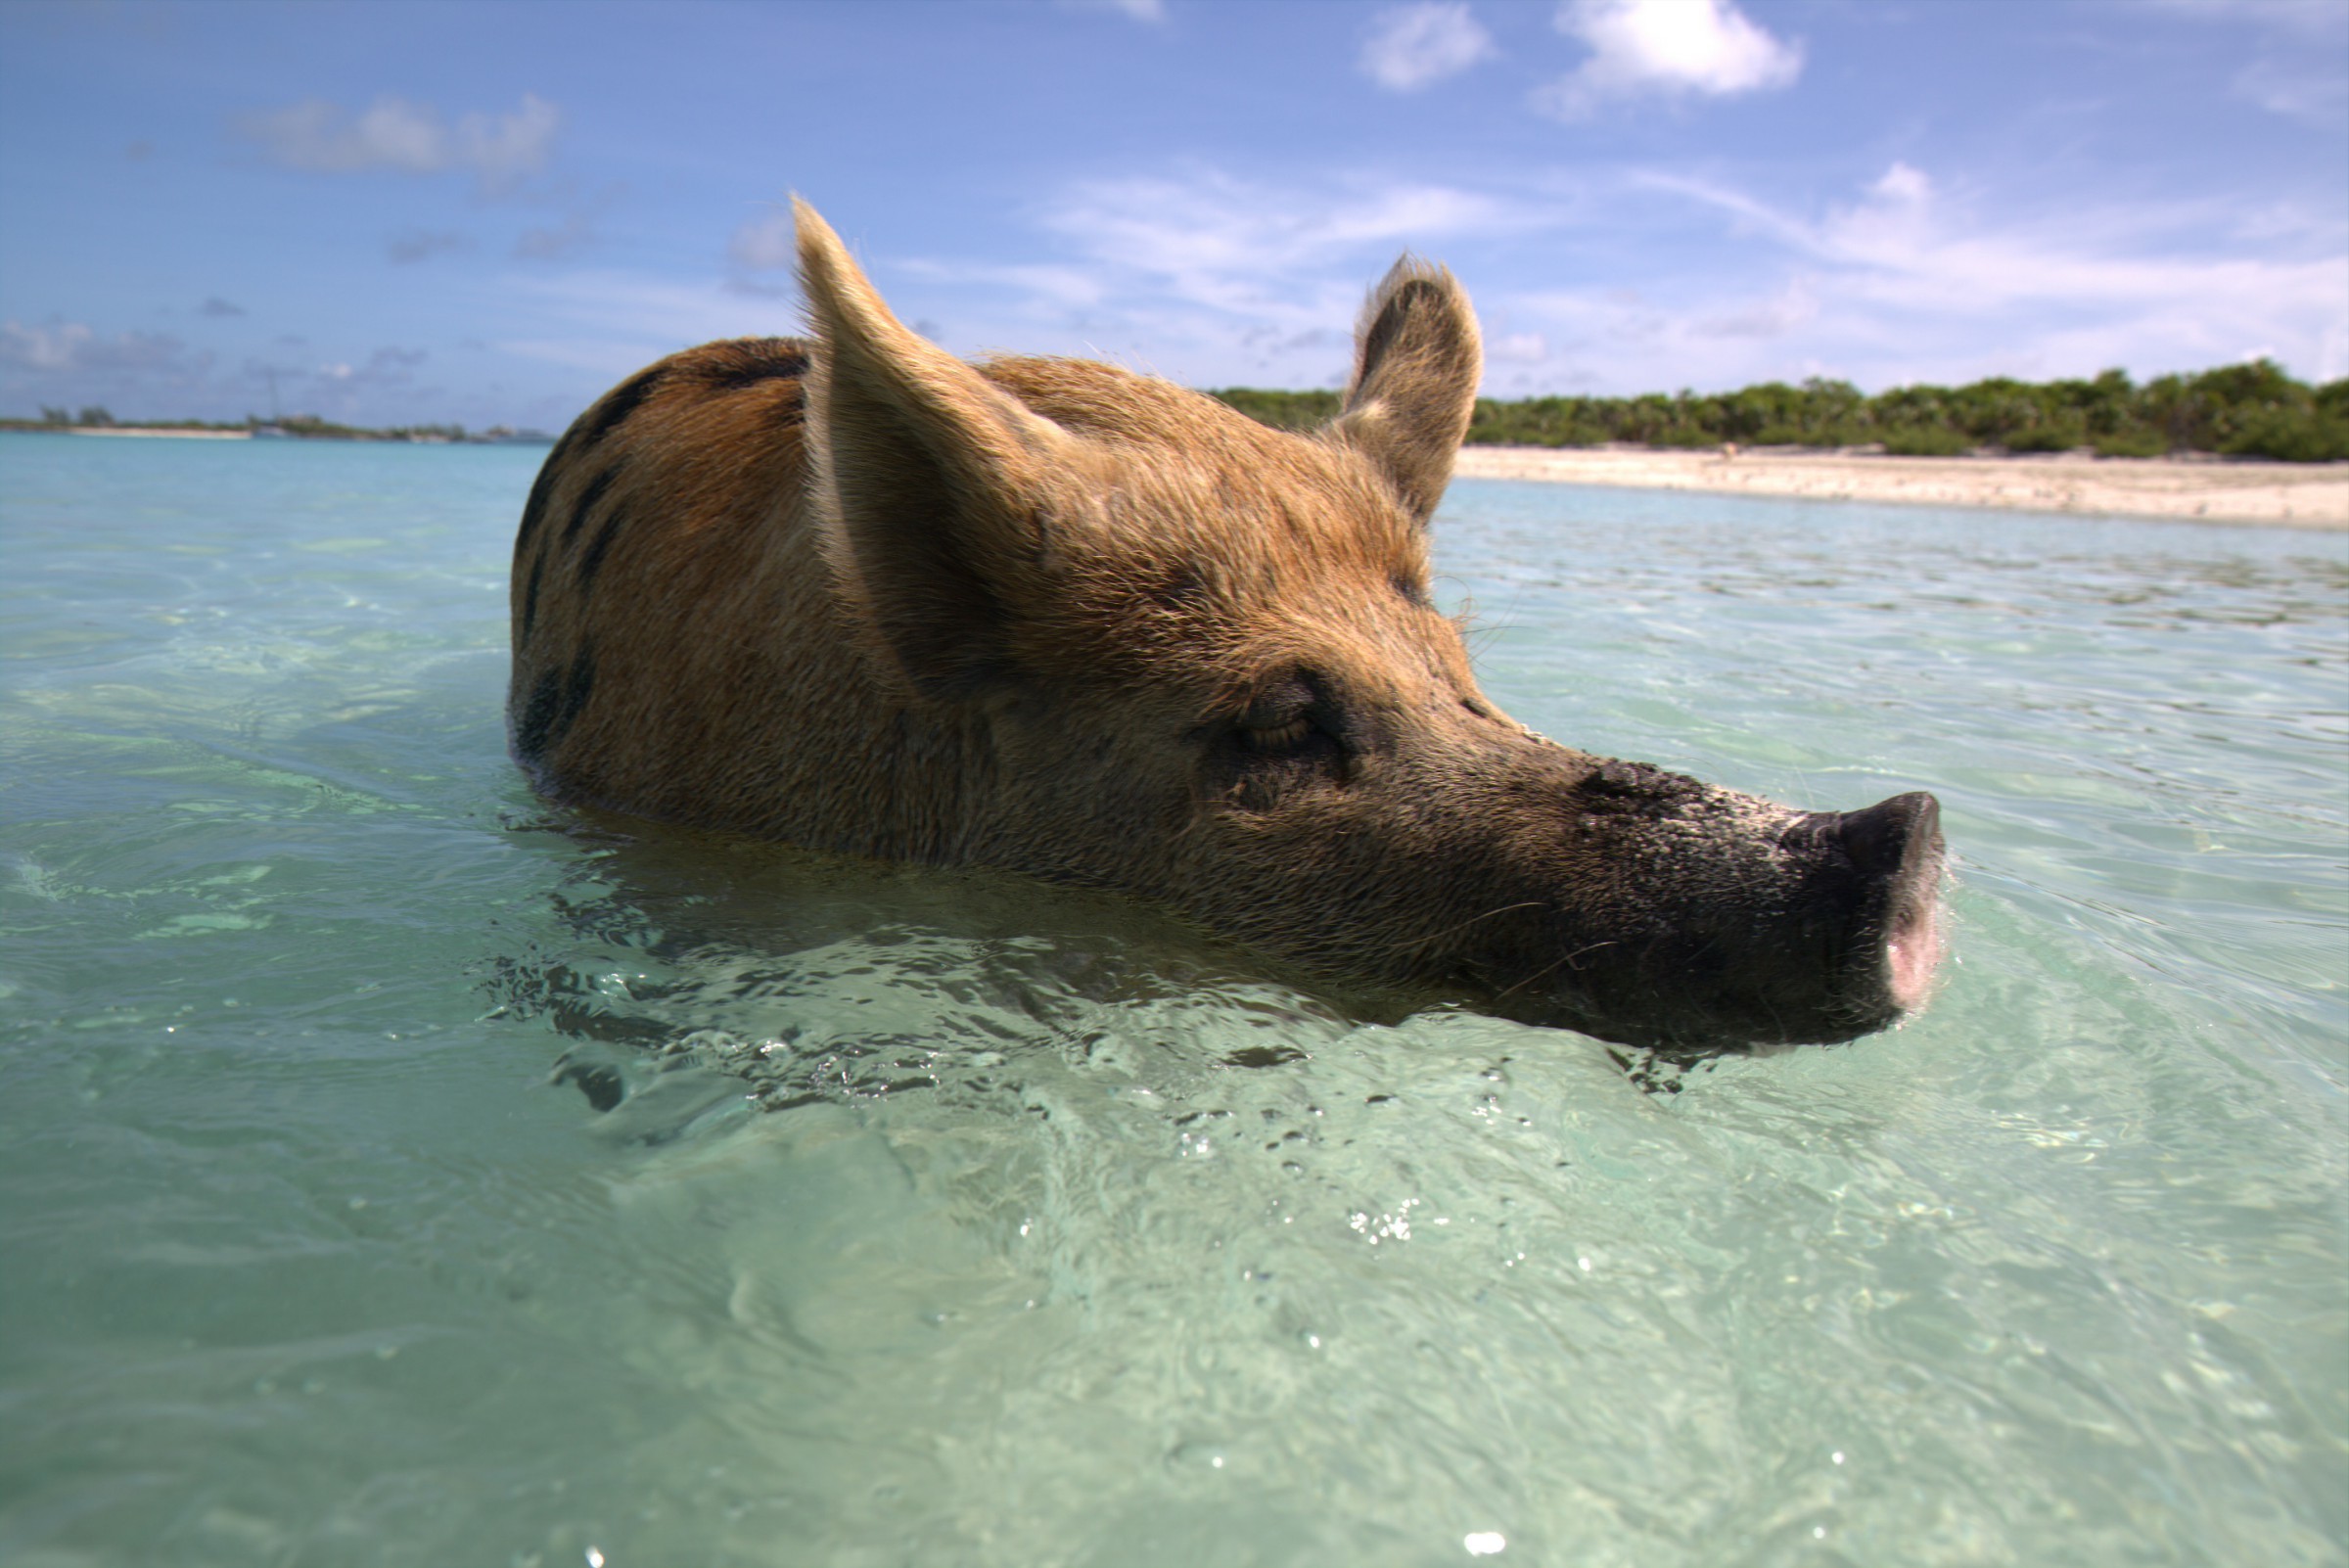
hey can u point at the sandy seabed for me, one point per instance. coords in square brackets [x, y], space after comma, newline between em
[2309, 495]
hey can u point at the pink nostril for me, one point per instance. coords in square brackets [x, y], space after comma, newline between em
[1912, 952]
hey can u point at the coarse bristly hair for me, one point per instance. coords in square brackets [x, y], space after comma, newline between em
[849, 591]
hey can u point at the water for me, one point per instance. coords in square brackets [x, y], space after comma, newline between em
[945, 1218]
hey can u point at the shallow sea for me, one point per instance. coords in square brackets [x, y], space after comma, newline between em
[946, 1218]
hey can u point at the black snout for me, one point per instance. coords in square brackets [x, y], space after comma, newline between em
[1885, 838]
[1889, 880]
[1822, 931]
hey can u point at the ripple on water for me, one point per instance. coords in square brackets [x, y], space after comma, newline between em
[400, 1169]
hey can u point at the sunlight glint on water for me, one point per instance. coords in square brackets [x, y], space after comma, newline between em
[941, 1218]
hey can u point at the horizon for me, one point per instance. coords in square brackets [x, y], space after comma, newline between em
[442, 213]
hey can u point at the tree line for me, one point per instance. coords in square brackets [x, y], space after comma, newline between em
[310, 426]
[2246, 410]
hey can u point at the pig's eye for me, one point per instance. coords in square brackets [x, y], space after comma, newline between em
[1283, 722]
[1286, 736]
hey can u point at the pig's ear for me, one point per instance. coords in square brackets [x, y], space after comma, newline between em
[927, 476]
[1416, 363]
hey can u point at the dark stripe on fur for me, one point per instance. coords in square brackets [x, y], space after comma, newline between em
[585, 504]
[542, 489]
[556, 702]
[732, 366]
[530, 599]
[592, 559]
[617, 405]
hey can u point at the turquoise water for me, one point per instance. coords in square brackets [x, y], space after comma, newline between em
[946, 1218]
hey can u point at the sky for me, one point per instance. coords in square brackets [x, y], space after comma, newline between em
[487, 214]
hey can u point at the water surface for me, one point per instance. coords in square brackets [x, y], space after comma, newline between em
[399, 1171]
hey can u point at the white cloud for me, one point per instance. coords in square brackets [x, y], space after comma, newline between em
[394, 134]
[1518, 348]
[2311, 89]
[1073, 287]
[69, 345]
[1665, 47]
[765, 242]
[1908, 283]
[1412, 46]
[1217, 281]
[572, 235]
[2302, 68]
[1215, 239]
[610, 322]
[1138, 10]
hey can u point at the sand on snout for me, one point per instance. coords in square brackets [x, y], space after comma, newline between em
[2203, 489]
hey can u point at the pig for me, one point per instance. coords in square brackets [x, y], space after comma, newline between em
[852, 593]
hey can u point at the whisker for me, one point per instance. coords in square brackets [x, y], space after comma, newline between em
[1551, 966]
[1439, 936]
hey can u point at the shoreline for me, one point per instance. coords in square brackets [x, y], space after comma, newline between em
[2300, 495]
[167, 433]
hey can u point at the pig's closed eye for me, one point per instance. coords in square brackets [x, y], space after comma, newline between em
[1289, 719]
[1283, 735]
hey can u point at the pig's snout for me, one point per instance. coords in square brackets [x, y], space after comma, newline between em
[1825, 927]
[1890, 881]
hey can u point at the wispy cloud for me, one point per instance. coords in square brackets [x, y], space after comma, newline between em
[551, 243]
[764, 243]
[137, 374]
[1151, 11]
[1670, 48]
[67, 346]
[1906, 283]
[2301, 70]
[411, 246]
[1209, 278]
[394, 135]
[1221, 241]
[391, 366]
[219, 307]
[610, 322]
[1412, 47]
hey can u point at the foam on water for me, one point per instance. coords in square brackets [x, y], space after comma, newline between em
[398, 1171]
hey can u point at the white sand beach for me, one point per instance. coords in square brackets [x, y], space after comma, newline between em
[167, 433]
[2312, 496]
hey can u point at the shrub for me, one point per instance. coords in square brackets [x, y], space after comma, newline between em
[1930, 440]
[2253, 410]
[2138, 442]
[2051, 435]
[2292, 436]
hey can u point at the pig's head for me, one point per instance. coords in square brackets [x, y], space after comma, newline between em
[1193, 658]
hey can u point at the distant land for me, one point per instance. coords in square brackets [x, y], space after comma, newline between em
[2246, 410]
[2251, 410]
[293, 427]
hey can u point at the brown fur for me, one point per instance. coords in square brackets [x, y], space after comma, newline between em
[1053, 617]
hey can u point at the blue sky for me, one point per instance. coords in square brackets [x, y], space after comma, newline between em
[487, 214]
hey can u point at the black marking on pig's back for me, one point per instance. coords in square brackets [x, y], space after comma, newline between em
[557, 699]
[584, 434]
[591, 559]
[617, 405]
[542, 489]
[530, 599]
[587, 502]
[732, 366]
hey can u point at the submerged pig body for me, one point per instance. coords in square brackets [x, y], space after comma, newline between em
[851, 593]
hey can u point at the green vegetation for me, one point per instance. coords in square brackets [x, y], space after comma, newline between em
[2250, 410]
[307, 427]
